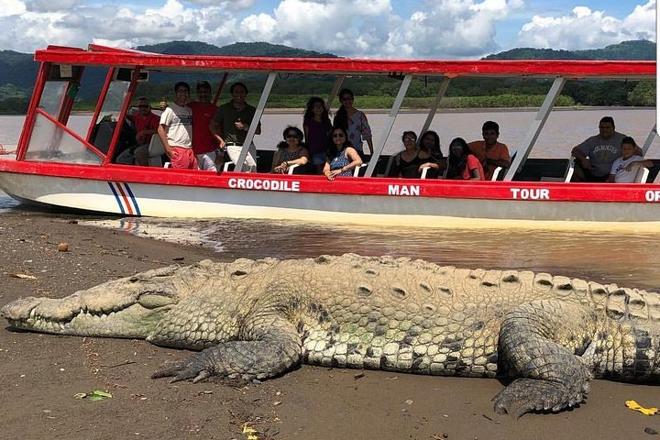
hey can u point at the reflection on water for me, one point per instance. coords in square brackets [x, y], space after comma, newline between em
[626, 259]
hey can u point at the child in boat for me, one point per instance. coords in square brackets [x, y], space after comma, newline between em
[625, 168]
[461, 164]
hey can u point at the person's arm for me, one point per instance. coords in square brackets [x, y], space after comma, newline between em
[162, 134]
[215, 127]
[276, 161]
[472, 164]
[366, 133]
[326, 171]
[503, 161]
[581, 156]
[642, 163]
[355, 158]
[475, 174]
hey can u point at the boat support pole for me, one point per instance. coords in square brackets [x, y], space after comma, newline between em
[335, 89]
[438, 98]
[650, 138]
[387, 129]
[255, 121]
[536, 127]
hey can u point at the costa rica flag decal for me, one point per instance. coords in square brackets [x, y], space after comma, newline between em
[125, 198]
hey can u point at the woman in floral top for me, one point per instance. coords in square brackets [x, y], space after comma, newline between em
[354, 122]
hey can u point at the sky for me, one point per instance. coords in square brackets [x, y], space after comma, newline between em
[450, 29]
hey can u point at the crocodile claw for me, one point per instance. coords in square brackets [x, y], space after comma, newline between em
[527, 395]
[183, 370]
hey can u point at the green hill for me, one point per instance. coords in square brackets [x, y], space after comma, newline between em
[236, 49]
[627, 50]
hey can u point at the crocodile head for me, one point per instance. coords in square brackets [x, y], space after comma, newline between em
[128, 307]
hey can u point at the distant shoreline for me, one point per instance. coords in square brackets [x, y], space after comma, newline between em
[287, 111]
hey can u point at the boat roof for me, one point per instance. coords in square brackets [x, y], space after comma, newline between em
[97, 55]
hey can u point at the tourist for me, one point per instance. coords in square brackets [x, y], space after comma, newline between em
[596, 155]
[317, 127]
[489, 151]
[290, 152]
[342, 158]
[354, 122]
[430, 154]
[146, 125]
[461, 164]
[407, 162]
[205, 145]
[625, 168]
[232, 121]
[175, 129]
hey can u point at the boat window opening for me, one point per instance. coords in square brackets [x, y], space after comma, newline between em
[53, 142]
[107, 119]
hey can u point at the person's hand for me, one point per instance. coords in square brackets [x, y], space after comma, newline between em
[630, 166]
[585, 163]
[240, 125]
[424, 165]
[281, 168]
[169, 151]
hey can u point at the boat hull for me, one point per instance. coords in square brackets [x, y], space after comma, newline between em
[170, 200]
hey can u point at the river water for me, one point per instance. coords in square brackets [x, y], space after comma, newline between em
[628, 258]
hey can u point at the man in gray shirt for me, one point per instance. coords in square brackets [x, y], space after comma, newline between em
[595, 156]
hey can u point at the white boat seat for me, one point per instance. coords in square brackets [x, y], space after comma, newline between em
[499, 170]
[156, 151]
[425, 170]
[356, 171]
[642, 175]
[570, 170]
[233, 151]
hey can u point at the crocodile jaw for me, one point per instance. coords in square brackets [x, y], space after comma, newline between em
[53, 316]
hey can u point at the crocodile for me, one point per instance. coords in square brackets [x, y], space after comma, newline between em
[544, 336]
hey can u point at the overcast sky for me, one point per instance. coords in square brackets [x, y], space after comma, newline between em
[358, 28]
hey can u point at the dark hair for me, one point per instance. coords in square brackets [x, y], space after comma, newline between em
[325, 117]
[435, 150]
[407, 133]
[290, 128]
[456, 165]
[628, 140]
[181, 84]
[341, 118]
[606, 119]
[238, 84]
[332, 151]
[203, 85]
[490, 125]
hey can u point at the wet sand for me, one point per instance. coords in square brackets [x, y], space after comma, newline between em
[41, 373]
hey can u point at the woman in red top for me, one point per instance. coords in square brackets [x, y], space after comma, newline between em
[461, 164]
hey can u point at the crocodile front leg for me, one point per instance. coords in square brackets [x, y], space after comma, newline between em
[267, 349]
[539, 345]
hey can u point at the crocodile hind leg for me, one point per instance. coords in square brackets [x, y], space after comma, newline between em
[266, 349]
[539, 346]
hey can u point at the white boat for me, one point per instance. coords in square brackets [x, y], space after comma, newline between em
[56, 166]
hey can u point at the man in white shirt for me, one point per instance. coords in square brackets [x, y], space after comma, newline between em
[625, 168]
[175, 129]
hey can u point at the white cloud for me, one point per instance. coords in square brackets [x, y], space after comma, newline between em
[456, 28]
[12, 7]
[585, 28]
[51, 5]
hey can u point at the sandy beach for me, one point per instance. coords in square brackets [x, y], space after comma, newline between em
[42, 373]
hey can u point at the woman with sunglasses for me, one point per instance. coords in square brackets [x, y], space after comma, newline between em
[353, 121]
[341, 158]
[290, 151]
[406, 163]
[461, 164]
